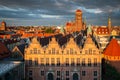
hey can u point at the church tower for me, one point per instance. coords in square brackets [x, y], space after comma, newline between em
[78, 20]
[3, 25]
[109, 24]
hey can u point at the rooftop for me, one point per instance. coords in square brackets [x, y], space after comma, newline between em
[113, 48]
[6, 66]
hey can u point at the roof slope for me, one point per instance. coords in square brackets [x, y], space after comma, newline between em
[4, 51]
[113, 48]
[21, 48]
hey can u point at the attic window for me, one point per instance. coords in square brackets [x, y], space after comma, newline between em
[35, 50]
[90, 51]
[53, 50]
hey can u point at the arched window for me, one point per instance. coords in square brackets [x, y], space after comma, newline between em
[75, 76]
[50, 76]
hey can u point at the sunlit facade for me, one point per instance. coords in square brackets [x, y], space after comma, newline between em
[69, 63]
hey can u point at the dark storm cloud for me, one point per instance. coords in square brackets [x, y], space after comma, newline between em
[96, 11]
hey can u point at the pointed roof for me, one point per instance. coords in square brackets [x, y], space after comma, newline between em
[113, 48]
[53, 43]
[21, 48]
[35, 41]
[89, 43]
[71, 43]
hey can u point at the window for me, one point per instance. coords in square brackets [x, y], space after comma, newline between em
[83, 62]
[49, 51]
[36, 61]
[30, 72]
[78, 61]
[30, 62]
[58, 73]
[71, 51]
[80, 52]
[39, 52]
[30, 78]
[35, 50]
[75, 52]
[85, 51]
[67, 79]
[57, 51]
[47, 61]
[95, 61]
[52, 62]
[83, 73]
[42, 73]
[95, 73]
[53, 50]
[58, 79]
[90, 51]
[42, 61]
[58, 61]
[72, 62]
[30, 51]
[67, 51]
[67, 73]
[94, 51]
[67, 61]
[95, 79]
[89, 62]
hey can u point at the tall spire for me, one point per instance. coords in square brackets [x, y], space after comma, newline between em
[109, 24]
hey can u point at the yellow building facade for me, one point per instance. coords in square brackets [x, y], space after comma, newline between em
[53, 62]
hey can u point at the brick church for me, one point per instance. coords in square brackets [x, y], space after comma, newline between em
[77, 24]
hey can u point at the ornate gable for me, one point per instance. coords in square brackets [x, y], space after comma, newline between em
[53, 47]
[34, 47]
[71, 47]
[90, 47]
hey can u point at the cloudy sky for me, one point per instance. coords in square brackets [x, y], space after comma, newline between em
[57, 12]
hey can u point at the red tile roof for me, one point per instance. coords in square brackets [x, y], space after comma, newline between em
[78, 10]
[103, 31]
[68, 24]
[113, 48]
